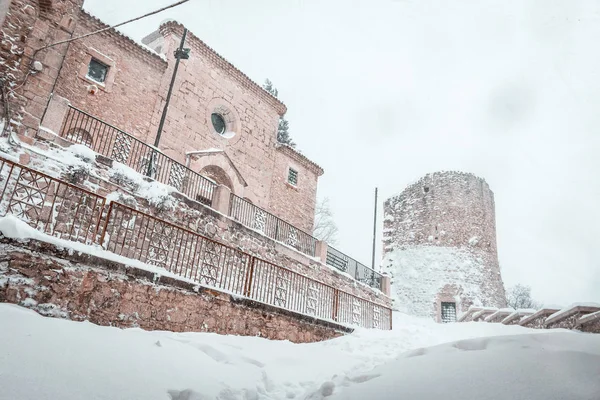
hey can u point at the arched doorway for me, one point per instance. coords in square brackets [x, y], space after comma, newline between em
[218, 175]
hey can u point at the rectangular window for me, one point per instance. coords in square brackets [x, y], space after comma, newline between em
[448, 312]
[293, 177]
[97, 71]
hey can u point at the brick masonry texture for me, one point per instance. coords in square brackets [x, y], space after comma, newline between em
[590, 327]
[453, 212]
[180, 210]
[82, 287]
[538, 320]
[134, 94]
[30, 25]
[290, 200]
[137, 78]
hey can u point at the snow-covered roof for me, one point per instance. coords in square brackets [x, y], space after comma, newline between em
[572, 309]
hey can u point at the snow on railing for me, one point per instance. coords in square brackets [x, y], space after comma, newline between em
[112, 142]
[49, 205]
[66, 211]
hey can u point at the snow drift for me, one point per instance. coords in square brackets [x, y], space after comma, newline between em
[49, 358]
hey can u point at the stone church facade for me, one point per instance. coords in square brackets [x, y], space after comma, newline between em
[220, 123]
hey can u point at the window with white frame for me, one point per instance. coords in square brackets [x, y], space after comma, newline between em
[292, 176]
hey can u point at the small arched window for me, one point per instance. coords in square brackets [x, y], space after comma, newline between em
[79, 135]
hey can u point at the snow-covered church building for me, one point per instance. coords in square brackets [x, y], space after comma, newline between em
[440, 246]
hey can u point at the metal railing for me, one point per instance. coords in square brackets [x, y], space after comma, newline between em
[109, 141]
[277, 229]
[50, 205]
[61, 209]
[81, 127]
[357, 270]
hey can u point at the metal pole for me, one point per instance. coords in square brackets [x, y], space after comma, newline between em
[179, 54]
[164, 114]
[374, 232]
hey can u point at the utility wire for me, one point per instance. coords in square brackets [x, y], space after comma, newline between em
[114, 26]
[4, 93]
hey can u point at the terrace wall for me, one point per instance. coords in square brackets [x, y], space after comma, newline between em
[203, 220]
[83, 287]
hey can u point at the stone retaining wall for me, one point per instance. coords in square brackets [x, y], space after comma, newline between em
[83, 287]
[99, 177]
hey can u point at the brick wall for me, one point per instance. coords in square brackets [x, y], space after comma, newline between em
[296, 203]
[590, 327]
[27, 27]
[131, 90]
[133, 95]
[207, 84]
[537, 322]
[449, 215]
[180, 210]
[443, 209]
[82, 287]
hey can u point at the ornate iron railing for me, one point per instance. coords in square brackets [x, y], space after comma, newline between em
[103, 138]
[50, 205]
[357, 270]
[69, 212]
[277, 229]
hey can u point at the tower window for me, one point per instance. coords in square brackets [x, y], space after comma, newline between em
[97, 70]
[218, 123]
[448, 312]
[293, 177]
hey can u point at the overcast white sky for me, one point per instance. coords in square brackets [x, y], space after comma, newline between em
[381, 92]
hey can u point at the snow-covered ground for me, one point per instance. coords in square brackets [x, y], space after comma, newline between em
[46, 358]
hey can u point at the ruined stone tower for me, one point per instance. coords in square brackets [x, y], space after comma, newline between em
[440, 246]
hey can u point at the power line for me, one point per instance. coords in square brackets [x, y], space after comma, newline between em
[5, 93]
[114, 26]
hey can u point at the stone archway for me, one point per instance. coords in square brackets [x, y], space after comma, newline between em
[79, 135]
[218, 175]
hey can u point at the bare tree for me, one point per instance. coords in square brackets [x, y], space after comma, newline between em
[519, 296]
[325, 228]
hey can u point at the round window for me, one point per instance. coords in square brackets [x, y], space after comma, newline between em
[218, 123]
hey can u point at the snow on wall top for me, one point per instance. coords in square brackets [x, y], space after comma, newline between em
[571, 308]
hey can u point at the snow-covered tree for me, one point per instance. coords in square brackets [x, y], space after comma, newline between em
[268, 86]
[519, 296]
[325, 228]
[283, 134]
